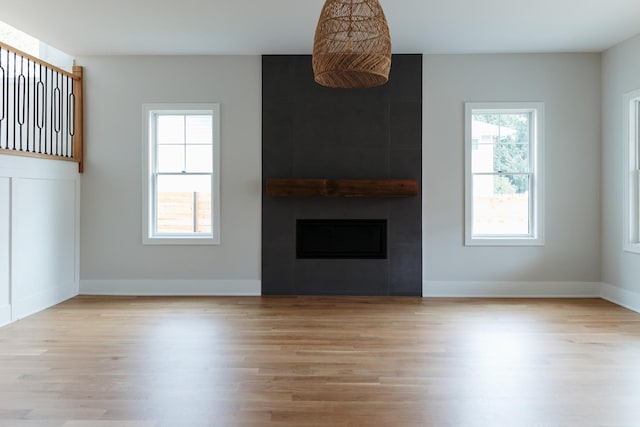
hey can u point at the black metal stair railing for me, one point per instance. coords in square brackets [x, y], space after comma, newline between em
[40, 108]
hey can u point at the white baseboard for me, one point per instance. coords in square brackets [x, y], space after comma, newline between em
[511, 289]
[253, 288]
[622, 297]
[171, 287]
[41, 301]
[5, 314]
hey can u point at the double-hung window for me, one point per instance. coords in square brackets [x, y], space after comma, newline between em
[632, 172]
[181, 174]
[503, 182]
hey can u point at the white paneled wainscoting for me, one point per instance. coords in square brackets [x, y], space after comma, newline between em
[39, 234]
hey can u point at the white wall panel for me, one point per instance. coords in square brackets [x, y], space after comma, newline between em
[43, 243]
[39, 234]
[5, 200]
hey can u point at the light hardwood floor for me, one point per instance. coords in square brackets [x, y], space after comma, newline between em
[321, 361]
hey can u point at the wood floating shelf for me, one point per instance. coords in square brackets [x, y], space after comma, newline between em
[286, 187]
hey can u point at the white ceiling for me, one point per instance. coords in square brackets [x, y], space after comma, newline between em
[88, 27]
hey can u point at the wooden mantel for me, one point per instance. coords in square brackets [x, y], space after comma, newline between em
[290, 187]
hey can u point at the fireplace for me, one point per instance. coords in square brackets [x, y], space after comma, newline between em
[341, 238]
[341, 169]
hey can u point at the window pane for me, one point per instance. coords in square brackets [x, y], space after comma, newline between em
[514, 127]
[199, 129]
[181, 136]
[499, 208]
[485, 131]
[199, 158]
[511, 157]
[500, 143]
[170, 129]
[183, 204]
[512, 148]
[170, 158]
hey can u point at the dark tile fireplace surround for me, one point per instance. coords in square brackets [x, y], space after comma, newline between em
[309, 131]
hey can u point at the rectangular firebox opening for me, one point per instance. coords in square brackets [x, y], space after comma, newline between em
[341, 238]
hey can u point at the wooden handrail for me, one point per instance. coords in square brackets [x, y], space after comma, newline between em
[78, 137]
[39, 61]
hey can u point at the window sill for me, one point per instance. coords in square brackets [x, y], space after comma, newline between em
[633, 248]
[482, 241]
[185, 241]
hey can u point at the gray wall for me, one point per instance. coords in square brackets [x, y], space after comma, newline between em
[310, 131]
[569, 262]
[620, 270]
[113, 258]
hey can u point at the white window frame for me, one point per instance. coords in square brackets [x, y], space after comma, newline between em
[149, 113]
[536, 205]
[631, 168]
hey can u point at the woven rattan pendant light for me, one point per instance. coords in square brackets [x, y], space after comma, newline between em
[352, 46]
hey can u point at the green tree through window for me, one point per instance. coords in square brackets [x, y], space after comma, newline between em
[511, 150]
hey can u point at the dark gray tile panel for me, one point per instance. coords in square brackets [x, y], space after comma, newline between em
[310, 131]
